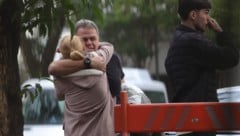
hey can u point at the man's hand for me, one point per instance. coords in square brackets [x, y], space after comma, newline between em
[213, 24]
[98, 63]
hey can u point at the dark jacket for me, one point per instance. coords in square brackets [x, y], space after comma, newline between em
[114, 75]
[192, 62]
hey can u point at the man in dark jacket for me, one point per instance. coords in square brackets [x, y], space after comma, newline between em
[193, 59]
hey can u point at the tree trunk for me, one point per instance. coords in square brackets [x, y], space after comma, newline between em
[50, 49]
[36, 68]
[11, 119]
[31, 62]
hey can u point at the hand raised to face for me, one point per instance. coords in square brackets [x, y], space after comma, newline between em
[213, 24]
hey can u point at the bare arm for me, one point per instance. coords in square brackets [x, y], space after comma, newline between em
[68, 66]
[64, 67]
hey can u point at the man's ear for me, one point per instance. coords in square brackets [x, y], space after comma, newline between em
[193, 14]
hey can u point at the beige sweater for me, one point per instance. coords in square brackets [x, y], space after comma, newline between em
[88, 102]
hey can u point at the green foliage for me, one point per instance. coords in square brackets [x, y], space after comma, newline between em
[44, 23]
[42, 14]
[228, 15]
[38, 14]
[136, 27]
[31, 91]
[27, 91]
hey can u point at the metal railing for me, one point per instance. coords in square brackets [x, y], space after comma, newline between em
[178, 117]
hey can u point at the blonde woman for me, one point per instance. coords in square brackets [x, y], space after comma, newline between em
[88, 101]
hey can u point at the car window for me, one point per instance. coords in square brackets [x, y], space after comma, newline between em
[44, 110]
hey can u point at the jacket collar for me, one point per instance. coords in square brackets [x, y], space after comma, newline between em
[185, 28]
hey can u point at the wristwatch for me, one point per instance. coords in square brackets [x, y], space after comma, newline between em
[87, 62]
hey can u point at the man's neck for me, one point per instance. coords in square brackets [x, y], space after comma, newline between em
[188, 24]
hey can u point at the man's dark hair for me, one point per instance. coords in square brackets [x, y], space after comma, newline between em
[185, 6]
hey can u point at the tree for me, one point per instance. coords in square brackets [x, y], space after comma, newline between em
[40, 56]
[138, 26]
[10, 98]
[18, 16]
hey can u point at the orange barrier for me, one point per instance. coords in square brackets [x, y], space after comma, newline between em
[160, 117]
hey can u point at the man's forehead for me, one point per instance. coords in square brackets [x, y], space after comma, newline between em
[87, 35]
[90, 29]
[86, 32]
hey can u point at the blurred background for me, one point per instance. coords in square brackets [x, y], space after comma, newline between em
[140, 30]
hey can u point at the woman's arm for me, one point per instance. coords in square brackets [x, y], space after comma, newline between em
[68, 66]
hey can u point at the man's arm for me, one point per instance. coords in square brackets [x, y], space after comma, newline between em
[220, 55]
[68, 66]
[105, 51]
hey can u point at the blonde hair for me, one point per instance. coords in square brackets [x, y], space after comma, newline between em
[71, 48]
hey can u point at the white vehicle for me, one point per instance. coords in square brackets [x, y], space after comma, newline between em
[43, 116]
[154, 89]
[229, 94]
